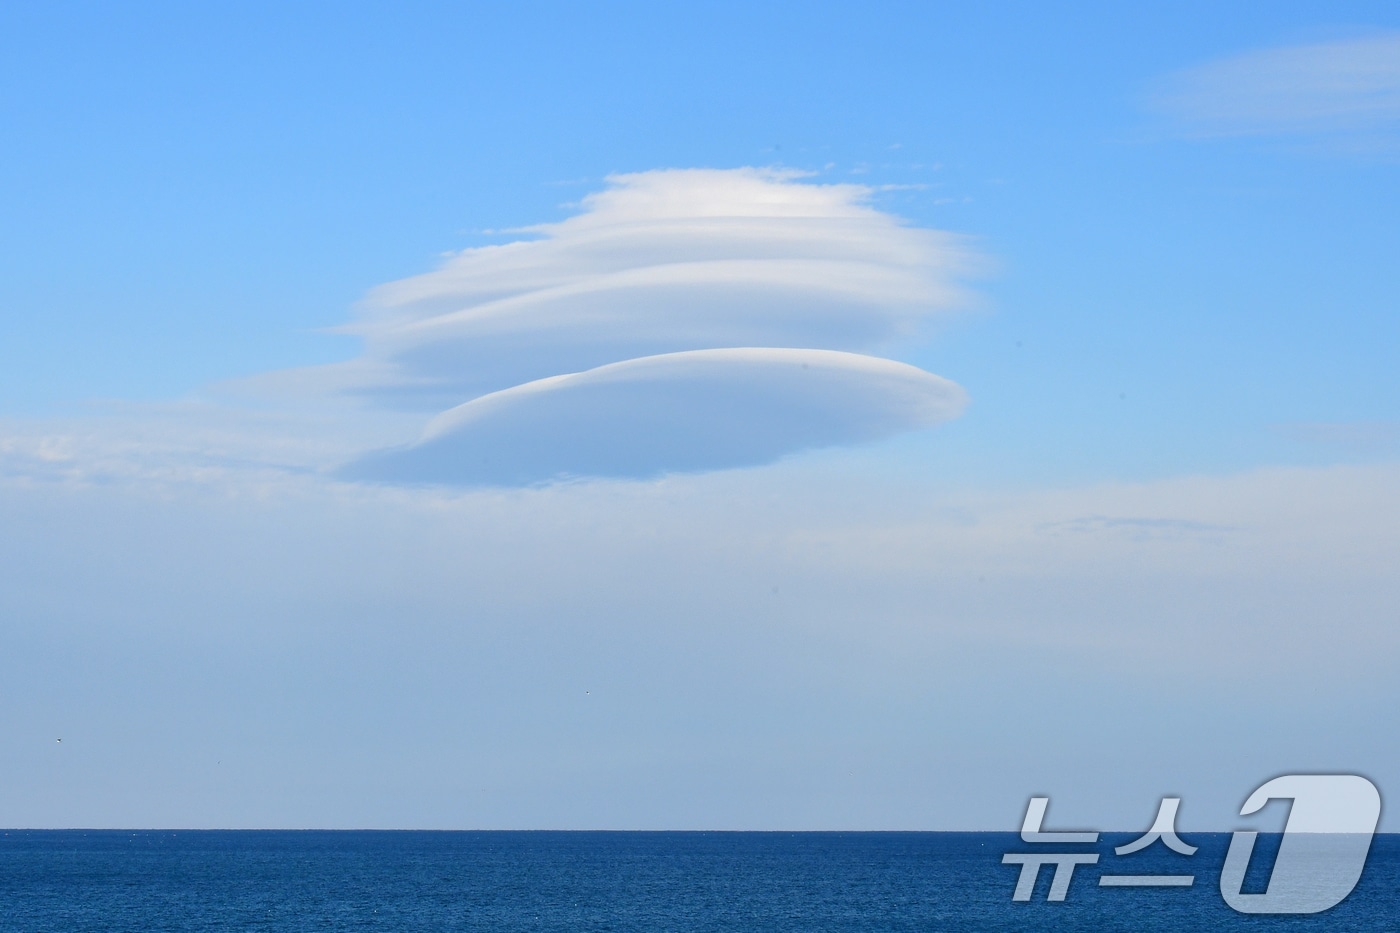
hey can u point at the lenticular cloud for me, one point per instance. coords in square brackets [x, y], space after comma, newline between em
[693, 411]
[682, 321]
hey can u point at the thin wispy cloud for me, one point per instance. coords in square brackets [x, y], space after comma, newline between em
[1344, 88]
[1357, 437]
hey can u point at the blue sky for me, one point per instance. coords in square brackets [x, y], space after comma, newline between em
[1144, 260]
[193, 196]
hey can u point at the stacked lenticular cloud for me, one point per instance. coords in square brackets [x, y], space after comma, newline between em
[683, 321]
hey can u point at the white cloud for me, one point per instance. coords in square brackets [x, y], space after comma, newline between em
[692, 411]
[1347, 87]
[660, 263]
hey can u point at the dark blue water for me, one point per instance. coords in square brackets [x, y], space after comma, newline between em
[70, 881]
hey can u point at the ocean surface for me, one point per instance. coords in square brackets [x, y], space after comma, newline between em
[75, 880]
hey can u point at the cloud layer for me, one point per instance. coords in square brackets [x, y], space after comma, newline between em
[804, 647]
[654, 268]
[692, 411]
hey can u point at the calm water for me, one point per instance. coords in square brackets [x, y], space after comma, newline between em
[68, 881]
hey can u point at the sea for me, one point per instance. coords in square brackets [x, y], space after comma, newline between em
[67, 881]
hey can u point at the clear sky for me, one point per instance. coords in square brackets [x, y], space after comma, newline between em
[694, 415]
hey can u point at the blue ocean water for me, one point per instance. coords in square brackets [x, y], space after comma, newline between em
[73, 880]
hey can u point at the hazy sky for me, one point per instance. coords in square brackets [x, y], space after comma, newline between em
[735, 416]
